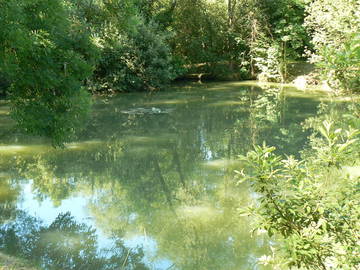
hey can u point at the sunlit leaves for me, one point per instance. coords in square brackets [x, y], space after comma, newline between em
[335, 25]
[311, 204]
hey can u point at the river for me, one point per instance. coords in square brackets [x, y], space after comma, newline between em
[150, 183]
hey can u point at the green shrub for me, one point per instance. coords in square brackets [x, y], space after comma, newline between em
[136, 61]
[268, 62]
[334, 27]
[342, 65]
[311, 205]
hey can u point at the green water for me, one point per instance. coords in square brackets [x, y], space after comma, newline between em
[150, 184]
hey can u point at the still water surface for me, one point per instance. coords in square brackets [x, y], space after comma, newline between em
[150, 184]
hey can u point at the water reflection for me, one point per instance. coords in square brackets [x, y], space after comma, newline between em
[8, 197]
[65, 244]
[161, 175]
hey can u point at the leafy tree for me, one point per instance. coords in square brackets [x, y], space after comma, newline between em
[334, 27]
[134, 55]
[45, 66]
[137, 61]
[342, 65]
[275, 36]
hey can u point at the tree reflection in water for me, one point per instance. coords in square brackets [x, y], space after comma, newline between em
[163, 177]
[64, 244]
[8, 196]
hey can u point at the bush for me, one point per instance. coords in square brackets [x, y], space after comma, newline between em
[342, 65]
[311, 205]
[334, 27]
[268, 62]
[136, 61]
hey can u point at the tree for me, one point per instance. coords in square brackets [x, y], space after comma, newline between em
[136, 61]
[42, 56]
[334, 27]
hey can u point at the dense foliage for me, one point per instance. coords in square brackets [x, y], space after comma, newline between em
[335, 29]
[134, 62]
[43, 57]
[312, 204]
[142, 45]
